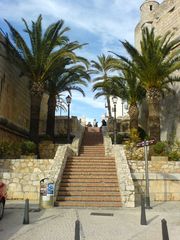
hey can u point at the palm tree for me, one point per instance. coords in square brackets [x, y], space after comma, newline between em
[68, 79]
[154, 67]
[37, 57]
[132, 92]
[125, 86]
[102, 68]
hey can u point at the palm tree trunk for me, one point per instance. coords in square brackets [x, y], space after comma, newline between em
[37, 90]
[133, 114]
[109, 107]
[51, 116]
[34, 117]
[153, 98]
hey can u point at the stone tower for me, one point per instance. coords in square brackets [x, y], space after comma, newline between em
[163, 17]
[148, 11]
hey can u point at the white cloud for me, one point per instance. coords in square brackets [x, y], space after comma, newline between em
[89, 99]
[110, 21]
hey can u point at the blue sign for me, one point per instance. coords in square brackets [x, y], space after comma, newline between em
[50, 188]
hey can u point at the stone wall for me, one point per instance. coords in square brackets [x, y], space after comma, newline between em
[7, 134]
[47, 149]
[14, 100]
[163, 17]
[164, 177]
[14, 92]
[23, 176]
[61, 123]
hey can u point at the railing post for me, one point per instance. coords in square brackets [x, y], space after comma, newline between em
[77, 230]
[143, 212]
[26, 212]
[165, 235]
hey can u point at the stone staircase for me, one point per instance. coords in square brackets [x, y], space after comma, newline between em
[90, 179]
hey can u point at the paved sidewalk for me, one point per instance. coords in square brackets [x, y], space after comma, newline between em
[59, 223]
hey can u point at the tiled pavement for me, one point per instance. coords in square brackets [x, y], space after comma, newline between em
[59, 223]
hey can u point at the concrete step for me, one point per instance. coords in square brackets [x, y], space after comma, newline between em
[88, 204]
[102, 168]
[89, 180]
[89, 189]
[89, 184]
[92, 154]
[89, 176]
[86, 173]
[99, 147]
[96, 167]
[91, 170]
[89, 164]
[91, 158]
[90, 198]
[92, 150]
[89, 193]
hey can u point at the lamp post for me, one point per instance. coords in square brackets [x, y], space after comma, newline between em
[122, 107]
[68, 101]
[60, 106]
[114, 99]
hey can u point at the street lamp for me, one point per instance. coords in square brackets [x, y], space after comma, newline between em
[60, 105]
[115, 99]
[68, 101]
[122, 102]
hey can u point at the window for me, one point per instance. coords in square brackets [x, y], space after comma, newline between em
[151, 7]
[171, 10]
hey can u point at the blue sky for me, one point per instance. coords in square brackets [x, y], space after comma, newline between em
[100, 23]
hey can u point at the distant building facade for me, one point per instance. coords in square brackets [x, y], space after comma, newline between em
[121, 108]
[163, 17]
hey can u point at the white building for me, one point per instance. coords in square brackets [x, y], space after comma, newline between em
[121, 108]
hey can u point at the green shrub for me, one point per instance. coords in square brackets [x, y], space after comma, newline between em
[120, 138]
[10, 150]
[174, 156]
[160, 148]
[28, 147]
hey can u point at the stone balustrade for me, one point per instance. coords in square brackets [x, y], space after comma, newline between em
[124, 177]
[123, 172]
[107, 144]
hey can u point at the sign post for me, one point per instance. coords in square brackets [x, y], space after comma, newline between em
[145, 144]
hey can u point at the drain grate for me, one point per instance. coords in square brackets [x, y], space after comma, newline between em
[102, 214]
